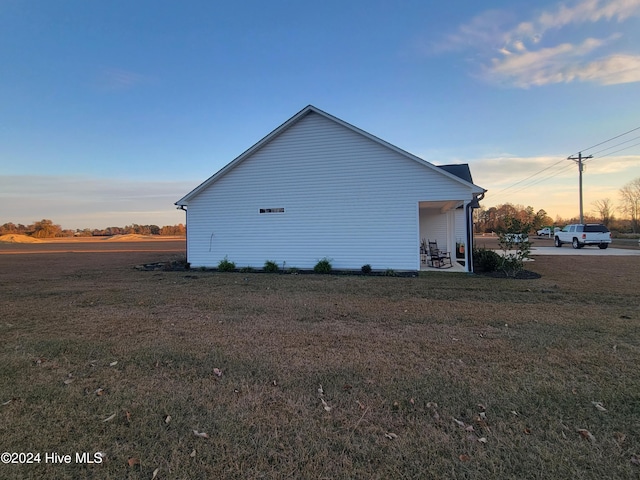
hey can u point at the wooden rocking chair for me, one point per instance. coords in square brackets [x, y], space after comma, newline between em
[439, 258]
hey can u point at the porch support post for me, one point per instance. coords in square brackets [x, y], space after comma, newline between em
[468, 248]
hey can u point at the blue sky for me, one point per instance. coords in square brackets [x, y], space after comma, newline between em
[112, 111]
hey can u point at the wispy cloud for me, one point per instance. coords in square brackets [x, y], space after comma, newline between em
[114, 79]
[521, 54]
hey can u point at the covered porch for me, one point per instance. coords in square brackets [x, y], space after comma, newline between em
[448, 223]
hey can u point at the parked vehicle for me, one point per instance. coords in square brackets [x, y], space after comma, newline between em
[579, 235]
[516, 237]
[546, 231]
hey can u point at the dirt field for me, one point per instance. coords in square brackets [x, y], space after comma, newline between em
[208, 375]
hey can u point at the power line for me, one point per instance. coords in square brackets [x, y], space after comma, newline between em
[616, 145]
[530, 176]
[625, 148]
[536, 182]
[612, 138]
[544, 179]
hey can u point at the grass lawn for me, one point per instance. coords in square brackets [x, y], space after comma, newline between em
[207, 375]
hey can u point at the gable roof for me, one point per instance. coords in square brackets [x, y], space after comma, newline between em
[460, 170]
[456, 174]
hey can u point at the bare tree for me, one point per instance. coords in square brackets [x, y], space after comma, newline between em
[630, 202]
[604, 209]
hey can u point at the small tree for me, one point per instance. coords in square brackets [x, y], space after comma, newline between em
[515, 245]
[46, 229]
[604, 208]
[630, 202]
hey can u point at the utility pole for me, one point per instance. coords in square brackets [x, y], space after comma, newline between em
[579, 160]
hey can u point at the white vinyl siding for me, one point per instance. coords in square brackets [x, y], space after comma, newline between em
[345, 197]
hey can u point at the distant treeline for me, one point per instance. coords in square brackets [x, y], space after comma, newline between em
[47, 229]
[496, 219]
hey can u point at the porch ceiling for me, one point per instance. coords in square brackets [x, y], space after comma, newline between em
[441, 205]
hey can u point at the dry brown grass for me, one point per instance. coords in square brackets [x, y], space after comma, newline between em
[398, 359]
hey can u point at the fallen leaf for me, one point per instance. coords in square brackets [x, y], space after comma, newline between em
[635, 460]
[320, 390]
[360, 404]
[391, 436]
[464, 458]
[469, 428]
[155, 473]
[482, 439]
[133, 461]
[599, 406]
[412, 401]
[458, 422]
[200, 434]
[620, 437]
[346, 387]
[527, 431]
[99, 392]
[586, 434]
[113, 364]
[483, 416]
[325, 405]
[68, 381]
[432, 405]
[275, 384]
[482, 407]
[109, 418]
[217, 372]
[128, 415]
[167, 419]
[482, 422]
[193, 454]
[514, 413]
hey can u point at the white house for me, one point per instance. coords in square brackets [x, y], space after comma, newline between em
[317, 187]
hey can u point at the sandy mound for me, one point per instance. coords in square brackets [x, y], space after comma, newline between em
[16, 238]
[131, 237]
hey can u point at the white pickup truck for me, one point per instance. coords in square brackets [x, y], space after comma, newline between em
[579, 235]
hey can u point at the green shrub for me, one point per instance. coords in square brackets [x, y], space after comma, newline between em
[246, 269]
[486, 260]
[366, 269]
[271, 267]
[226, 266]
[515, 245]
[389, 272]
[323, 266]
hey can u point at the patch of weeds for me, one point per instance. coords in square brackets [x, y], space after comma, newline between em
[271, 267]
[366, 269]
[226, 265]
[246, 269]
[323, 266]
[390, 272]
[294, 270]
